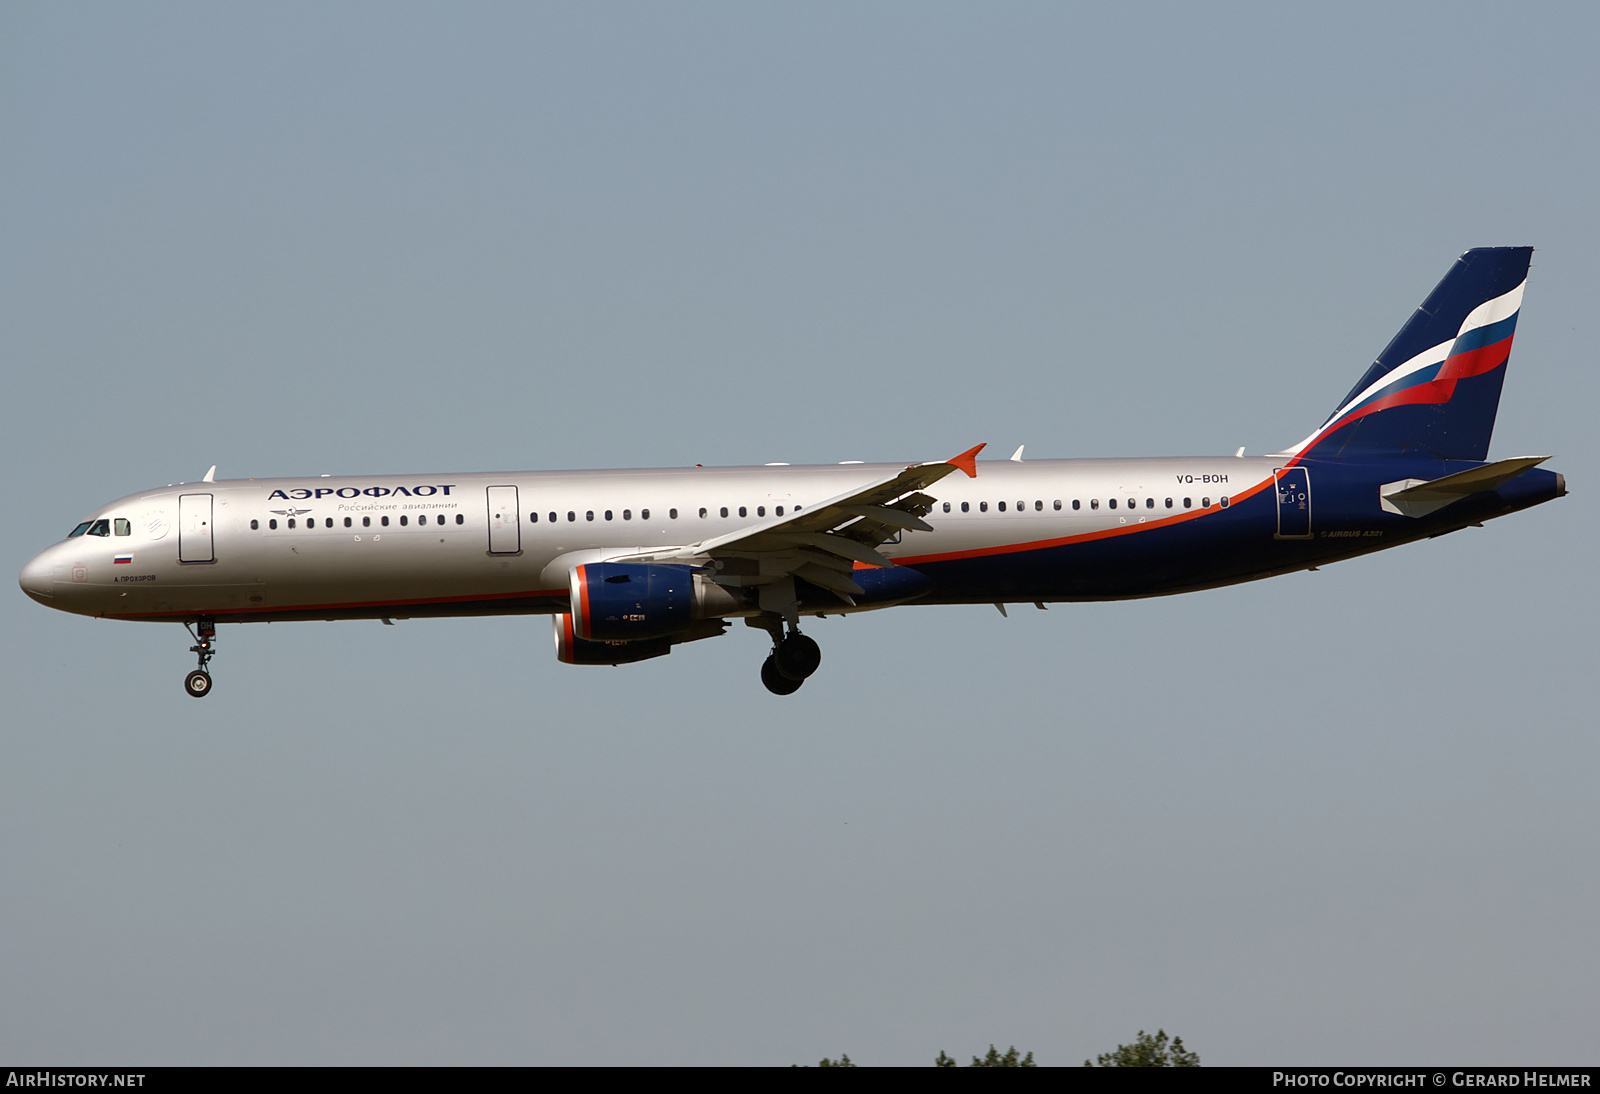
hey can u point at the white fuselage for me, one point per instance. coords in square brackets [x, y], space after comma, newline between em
[364, 546]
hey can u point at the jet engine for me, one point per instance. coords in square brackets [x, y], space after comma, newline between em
[572, 650]
[629, 601]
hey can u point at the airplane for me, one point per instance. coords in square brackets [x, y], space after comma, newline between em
[631, 563]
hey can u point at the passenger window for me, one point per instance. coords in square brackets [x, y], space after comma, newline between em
[1000, 505]
[460, 519]
[1169, 503]
[608, 514]
[329, 523]
[761, 510]
[1075, 503]
[966, 507]
[1022, 507]
[672, 514]
[1205, 503]
[946, 507]
[366, 522]
[1094, 503]
[571, 516]
[742, 512]
[778, 511]
[533, 518]
[1187, 502]
[983, 507]
[255, 526]
[347, 522]
[1224, 501]
[724, 510]
[1149, 503]
[627, 514]
[1112, 503]
[588, 514]
[272, 525]
[404, 521]
[291, 522]
[644, 514]
[1133, 503]
[124, 527]
[553, 518]
[702, 512]
[1038, 506]
[381, 520]
[101, 528]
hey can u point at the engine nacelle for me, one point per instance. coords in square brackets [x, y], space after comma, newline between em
[626, 601]
[573, 650]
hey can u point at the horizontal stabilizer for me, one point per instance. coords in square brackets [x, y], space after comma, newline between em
[1419, 497]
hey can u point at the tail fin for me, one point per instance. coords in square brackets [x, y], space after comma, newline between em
[1434, 391]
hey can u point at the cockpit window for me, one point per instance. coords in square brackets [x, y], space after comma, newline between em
[101, 528]
[123, 526]
[80, 529]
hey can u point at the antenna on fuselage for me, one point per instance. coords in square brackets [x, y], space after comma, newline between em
[211, 476]
[1016, 457]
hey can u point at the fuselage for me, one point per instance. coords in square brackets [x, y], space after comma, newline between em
[404, 546]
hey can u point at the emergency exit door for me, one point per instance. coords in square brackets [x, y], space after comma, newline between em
[505, 530]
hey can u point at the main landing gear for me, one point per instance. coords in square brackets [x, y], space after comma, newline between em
[793, 658]
[198, 682]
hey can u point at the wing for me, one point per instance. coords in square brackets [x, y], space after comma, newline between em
[822, 543]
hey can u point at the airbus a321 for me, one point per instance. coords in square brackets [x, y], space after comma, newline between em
[630, 564]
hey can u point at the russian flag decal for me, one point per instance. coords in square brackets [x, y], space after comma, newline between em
[121, 560]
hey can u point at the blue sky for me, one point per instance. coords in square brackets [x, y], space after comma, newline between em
[1336, 817]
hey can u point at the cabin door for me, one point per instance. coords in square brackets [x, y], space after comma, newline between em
[194, 528]
[505, 530]
[1294, 502]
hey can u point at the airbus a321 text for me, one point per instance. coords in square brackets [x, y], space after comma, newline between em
[631, 563]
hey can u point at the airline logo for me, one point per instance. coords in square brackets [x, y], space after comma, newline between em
[1481, 345]
[306, 494]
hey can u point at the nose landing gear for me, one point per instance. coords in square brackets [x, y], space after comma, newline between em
[198, 682]
[794, 657]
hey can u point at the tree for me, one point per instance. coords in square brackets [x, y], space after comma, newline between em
[842, 1061]
[1148, 1051]
[993, 1059]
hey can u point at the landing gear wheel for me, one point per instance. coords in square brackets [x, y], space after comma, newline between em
[775, 680]
[204, 633]
[797, 656]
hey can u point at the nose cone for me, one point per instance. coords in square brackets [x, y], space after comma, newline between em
[38, 578]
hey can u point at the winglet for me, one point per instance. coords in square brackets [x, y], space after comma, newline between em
[968, 460]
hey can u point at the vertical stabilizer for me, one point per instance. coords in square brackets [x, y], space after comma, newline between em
[1435, 390]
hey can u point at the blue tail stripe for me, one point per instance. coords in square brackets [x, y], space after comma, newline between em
[1479, 275]
[1486, 336]
[1451, 421]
